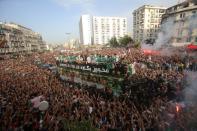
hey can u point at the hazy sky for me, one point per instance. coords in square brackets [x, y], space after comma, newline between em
[54, 18]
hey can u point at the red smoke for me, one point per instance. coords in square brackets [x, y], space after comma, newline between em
[150, 52]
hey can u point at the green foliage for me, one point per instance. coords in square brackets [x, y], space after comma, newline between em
[124, 41]
[137, 45]
[113, 42]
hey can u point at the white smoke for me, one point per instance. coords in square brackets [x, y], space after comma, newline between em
[192, 24]
[168, 31]
[190, 92]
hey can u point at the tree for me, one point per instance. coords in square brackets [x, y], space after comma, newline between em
[124, 41]
[113, 42]
[137, 45]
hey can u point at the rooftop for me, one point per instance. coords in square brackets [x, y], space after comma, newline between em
[151, 7]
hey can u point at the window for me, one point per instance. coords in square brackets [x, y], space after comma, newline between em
[161, 11]
[180, 15]
[183, 15]
[193, 12]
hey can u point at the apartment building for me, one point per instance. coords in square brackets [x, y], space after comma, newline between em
[85, 30]
[104, 28]
[146, 22]
[184, 19]
[98, 30]
[15, 38]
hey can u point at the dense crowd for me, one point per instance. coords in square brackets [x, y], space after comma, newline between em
[144, 104]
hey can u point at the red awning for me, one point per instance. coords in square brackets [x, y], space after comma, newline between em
[192, 47]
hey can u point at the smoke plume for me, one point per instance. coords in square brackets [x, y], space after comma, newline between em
[174, 28]
[167, 32]
[190, 92]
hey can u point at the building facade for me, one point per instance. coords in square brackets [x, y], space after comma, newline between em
[184, 19]
[85, 29]
[15, 38]
[146, 22]
[102, 29]
[72, 44]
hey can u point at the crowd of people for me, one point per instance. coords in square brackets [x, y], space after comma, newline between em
[146, 102]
